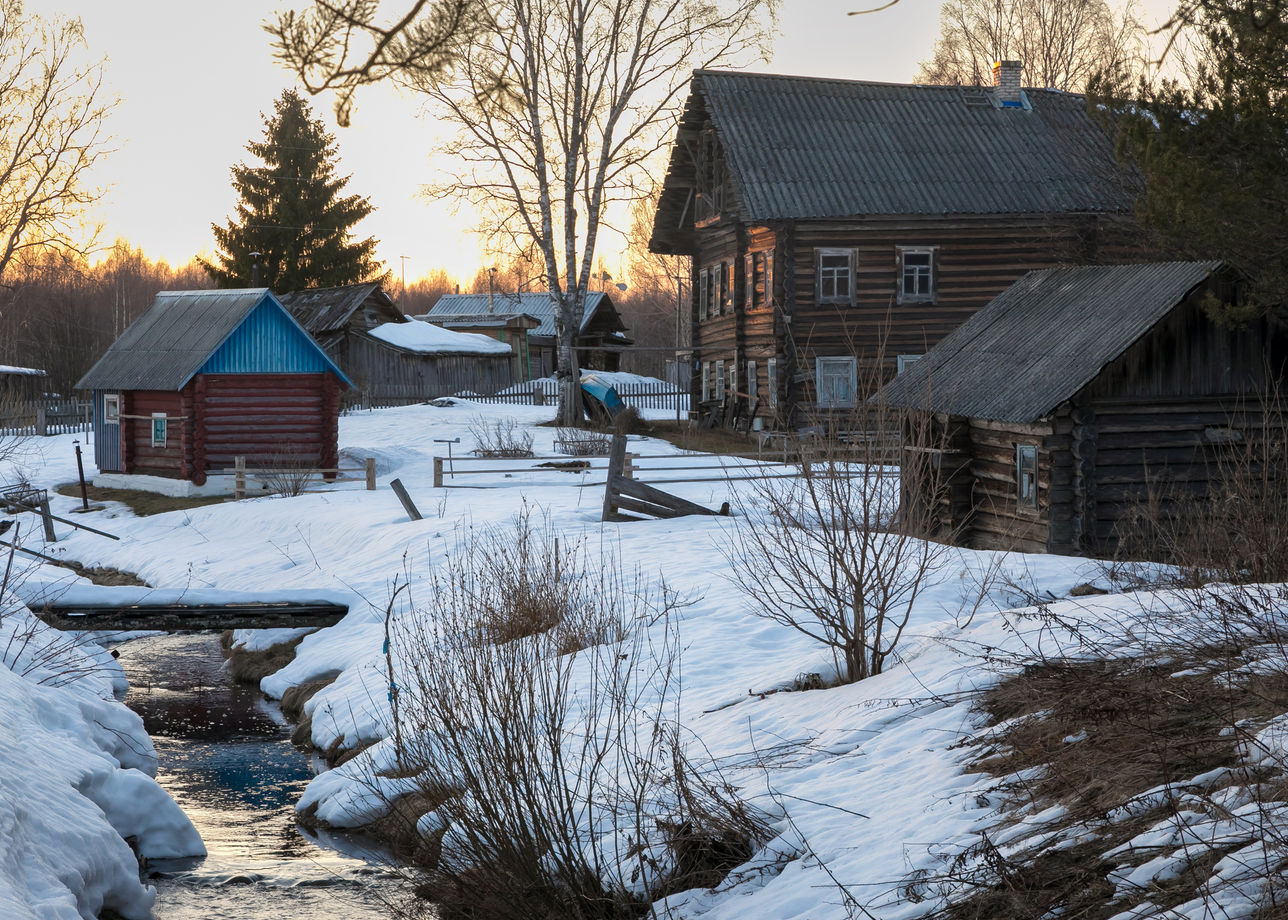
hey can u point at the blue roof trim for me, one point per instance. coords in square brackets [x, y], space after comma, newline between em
[269, 341]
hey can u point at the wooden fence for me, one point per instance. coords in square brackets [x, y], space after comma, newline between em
[659, 395]
[44, 417]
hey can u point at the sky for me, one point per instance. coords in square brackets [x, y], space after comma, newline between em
[194, 78]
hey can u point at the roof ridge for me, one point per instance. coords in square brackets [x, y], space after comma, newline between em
[845, 81]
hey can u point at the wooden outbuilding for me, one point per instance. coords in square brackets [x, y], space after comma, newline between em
[1080, 393]
[833, 224]
[599, 343]
[203, 377]
[353, 325]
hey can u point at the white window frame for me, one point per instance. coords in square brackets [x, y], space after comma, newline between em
[753, 385]
[112, 408]
[831, 276]
[771, 380]
[1026, 477]
[906, 361]
[159, 429]
[931, 256]
[704, 283]
[706, 381]
[829, 367]
[720, 380]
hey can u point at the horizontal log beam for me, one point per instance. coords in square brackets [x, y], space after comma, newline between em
[190, 617]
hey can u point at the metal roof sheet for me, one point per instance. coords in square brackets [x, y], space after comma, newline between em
[809, 148]
[536, 305]
[1043, 339]
[172, 340]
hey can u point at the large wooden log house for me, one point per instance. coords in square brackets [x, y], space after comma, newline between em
[203, 377]
[1080, 393]
[833, 221]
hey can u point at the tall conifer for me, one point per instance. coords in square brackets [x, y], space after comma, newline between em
[291, 212]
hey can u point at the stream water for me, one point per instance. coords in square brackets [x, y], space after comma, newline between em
[226, 758]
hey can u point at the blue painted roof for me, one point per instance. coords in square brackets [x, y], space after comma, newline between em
[185, 333]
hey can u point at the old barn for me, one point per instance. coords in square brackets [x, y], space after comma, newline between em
[1077, 394]
[203, 377]
[389, 359]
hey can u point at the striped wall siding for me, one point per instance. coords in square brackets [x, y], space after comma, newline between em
[266, 342]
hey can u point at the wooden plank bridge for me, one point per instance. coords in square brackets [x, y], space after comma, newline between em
[179, 617]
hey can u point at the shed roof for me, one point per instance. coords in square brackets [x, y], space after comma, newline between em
[537, 305]
[173, 339]
[811, 148]
[1043, 339]
[323, 310]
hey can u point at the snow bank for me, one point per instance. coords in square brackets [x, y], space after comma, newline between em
[428, 339]
[76, 778]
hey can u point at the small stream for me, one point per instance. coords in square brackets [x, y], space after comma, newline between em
[226, 758]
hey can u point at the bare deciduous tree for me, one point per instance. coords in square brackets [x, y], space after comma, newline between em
[51, 132]
[1061, 43]
[558, 106]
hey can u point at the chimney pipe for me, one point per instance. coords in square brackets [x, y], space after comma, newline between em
[1006, 82]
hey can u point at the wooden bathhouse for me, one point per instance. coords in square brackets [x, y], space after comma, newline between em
[1079, 392]
[357, 326]
[834, 222]
[599, 343]
[203, 377]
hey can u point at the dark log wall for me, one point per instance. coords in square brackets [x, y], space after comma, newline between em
[269, 419]
[137, 453]
[996, 521]
[975, 260]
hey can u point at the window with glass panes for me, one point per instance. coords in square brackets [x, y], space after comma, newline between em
[835, 281]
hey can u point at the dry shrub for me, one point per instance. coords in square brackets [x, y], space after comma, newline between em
[537, 698]
[582, 442]
[500, 437]
[629, 421]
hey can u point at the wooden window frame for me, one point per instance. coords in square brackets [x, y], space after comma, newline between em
[749, 281]
[903, 362]
[771, 380]
[753, 384]
[1026, 477]
[703, 284]
[112, 408]
[160, 433]
[932, 264]
[706, 381]
[720, 380]
[850, 365]
[833, 274]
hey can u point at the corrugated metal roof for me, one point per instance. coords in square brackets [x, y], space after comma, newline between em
[181, 331]
[322, 310]
[808, 148]
[536, 305]
[1043, 339]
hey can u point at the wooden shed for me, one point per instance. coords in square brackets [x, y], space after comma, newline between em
[1077, 394]
[203, 377]
[357, 325]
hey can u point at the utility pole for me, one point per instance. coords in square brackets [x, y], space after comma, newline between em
[402, 295]
[490, 307]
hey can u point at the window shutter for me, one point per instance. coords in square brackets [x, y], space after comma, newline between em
[749, 281]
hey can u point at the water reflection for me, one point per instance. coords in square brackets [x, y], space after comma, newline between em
[226, 758]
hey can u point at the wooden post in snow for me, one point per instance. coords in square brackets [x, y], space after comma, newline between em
[403, 497]
[371, 474]
[239, 477]
[48, 519]
[438, 472]
[623, 493]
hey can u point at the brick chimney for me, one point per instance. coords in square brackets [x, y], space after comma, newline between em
[1006, 80]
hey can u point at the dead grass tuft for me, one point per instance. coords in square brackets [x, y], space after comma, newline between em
[143, 504]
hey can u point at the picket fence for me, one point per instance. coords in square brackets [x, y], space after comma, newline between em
[44, 417]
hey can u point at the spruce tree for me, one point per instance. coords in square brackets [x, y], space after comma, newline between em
[291, 212]
[1213, 150]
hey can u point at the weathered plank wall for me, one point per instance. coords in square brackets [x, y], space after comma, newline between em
[383, 372]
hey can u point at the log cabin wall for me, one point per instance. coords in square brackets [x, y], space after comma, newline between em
[268, 419]
[384, 372]
[974, 259]
[996, 521]
[139, 455]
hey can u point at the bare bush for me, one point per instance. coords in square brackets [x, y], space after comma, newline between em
[501, 437]
[565, 786]
[835, 553]
[288, 475]
[581, 442]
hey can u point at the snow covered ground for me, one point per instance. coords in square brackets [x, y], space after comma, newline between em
[865, 785]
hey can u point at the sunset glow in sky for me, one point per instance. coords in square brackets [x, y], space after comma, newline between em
[194, 78]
